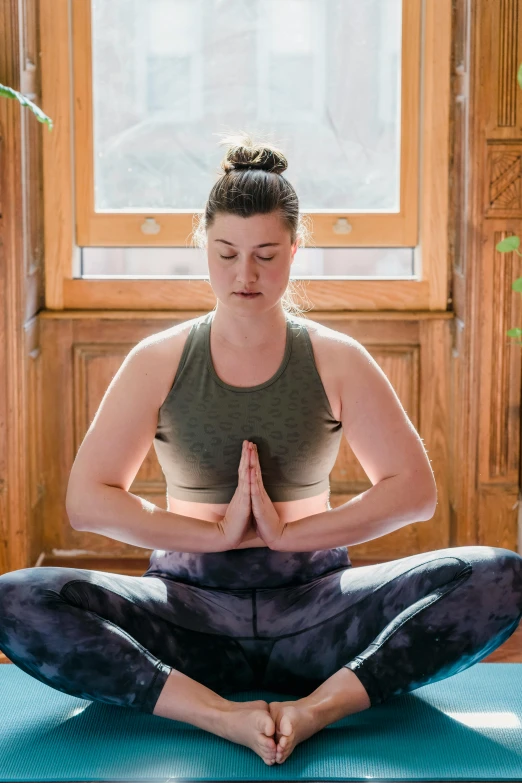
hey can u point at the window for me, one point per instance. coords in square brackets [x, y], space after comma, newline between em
[344, 87]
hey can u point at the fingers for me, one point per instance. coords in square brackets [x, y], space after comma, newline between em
[244, 467]
[244, 461]
[255, 473]
[249, 463]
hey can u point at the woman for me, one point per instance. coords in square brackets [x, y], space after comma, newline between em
[250, 584]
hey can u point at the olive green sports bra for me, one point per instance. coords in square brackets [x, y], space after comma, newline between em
[203, 422]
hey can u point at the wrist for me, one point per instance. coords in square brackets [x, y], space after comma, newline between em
[220, 541]
[279, 544]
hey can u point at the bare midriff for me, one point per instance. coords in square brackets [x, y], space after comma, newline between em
[288, 510]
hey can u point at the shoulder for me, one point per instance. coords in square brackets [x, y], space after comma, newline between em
[160, 343]
[330, 341]
[161, 353]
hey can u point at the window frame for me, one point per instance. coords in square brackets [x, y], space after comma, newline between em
[70, 220]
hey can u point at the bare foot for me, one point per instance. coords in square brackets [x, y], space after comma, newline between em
[295, 721]
[254, 728]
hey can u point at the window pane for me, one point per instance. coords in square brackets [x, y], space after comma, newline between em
[320, 78]
[335, 262]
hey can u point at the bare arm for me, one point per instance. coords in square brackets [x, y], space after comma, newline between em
[391, 453]
[110, 456]
[118, 514]
[389, 505]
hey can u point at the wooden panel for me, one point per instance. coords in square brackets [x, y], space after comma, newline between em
[435, 119]
[58, 439]
[501, 27]
[35, 490]
[57, 160]
[496, 524]
[486, 366]
[503, 180]
[21, 288]
[499, 390]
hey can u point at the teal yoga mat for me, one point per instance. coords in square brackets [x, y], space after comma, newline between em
[467, 727]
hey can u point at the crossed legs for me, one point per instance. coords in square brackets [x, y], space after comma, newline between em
[349, 642]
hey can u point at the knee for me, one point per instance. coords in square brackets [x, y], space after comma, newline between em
[26, 585]
[12, 580]
[497, 575]
[509, 562]
[14, 586]
[492, 558]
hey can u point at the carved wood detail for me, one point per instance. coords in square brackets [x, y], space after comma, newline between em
[504, 180]
[508, 15]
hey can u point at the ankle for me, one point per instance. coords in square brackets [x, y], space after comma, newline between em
[340, 695]
[184, 699]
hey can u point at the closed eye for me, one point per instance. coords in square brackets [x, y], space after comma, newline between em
[260, 257]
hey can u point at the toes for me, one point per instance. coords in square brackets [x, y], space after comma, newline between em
[285, 725]
[266, 724]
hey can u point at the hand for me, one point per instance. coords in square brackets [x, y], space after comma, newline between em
[269, 526]
[239, 510]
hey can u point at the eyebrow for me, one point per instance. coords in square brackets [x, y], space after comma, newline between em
[265, 244]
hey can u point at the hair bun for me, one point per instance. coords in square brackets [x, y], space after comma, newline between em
[244, 153]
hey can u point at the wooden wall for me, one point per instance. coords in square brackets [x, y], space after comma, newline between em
[486, 204]
[21, 292]
[456, 373]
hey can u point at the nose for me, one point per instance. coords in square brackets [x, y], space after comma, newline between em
[246, 271]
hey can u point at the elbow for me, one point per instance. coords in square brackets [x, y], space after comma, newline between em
[72, 508]
[428, 507]
[76, 503]
[427, 496]
[427, 512]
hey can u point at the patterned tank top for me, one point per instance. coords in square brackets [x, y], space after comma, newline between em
[203, 422]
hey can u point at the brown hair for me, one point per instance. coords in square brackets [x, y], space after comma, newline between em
[250, 183]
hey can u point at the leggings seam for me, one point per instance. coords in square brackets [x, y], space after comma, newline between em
[442, 591]
[254, 614]
[156, 673]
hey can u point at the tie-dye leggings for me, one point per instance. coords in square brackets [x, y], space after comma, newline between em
[256, 618]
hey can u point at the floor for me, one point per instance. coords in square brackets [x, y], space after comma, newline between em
[509, 652]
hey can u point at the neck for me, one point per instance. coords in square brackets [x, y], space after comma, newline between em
[248, 331]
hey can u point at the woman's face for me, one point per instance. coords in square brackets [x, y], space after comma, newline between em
[251, 253]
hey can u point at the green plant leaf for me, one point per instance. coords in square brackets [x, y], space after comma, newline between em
[519, 76]
[8, 92]
[508, 244]
[516, 332]
[516, 285]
